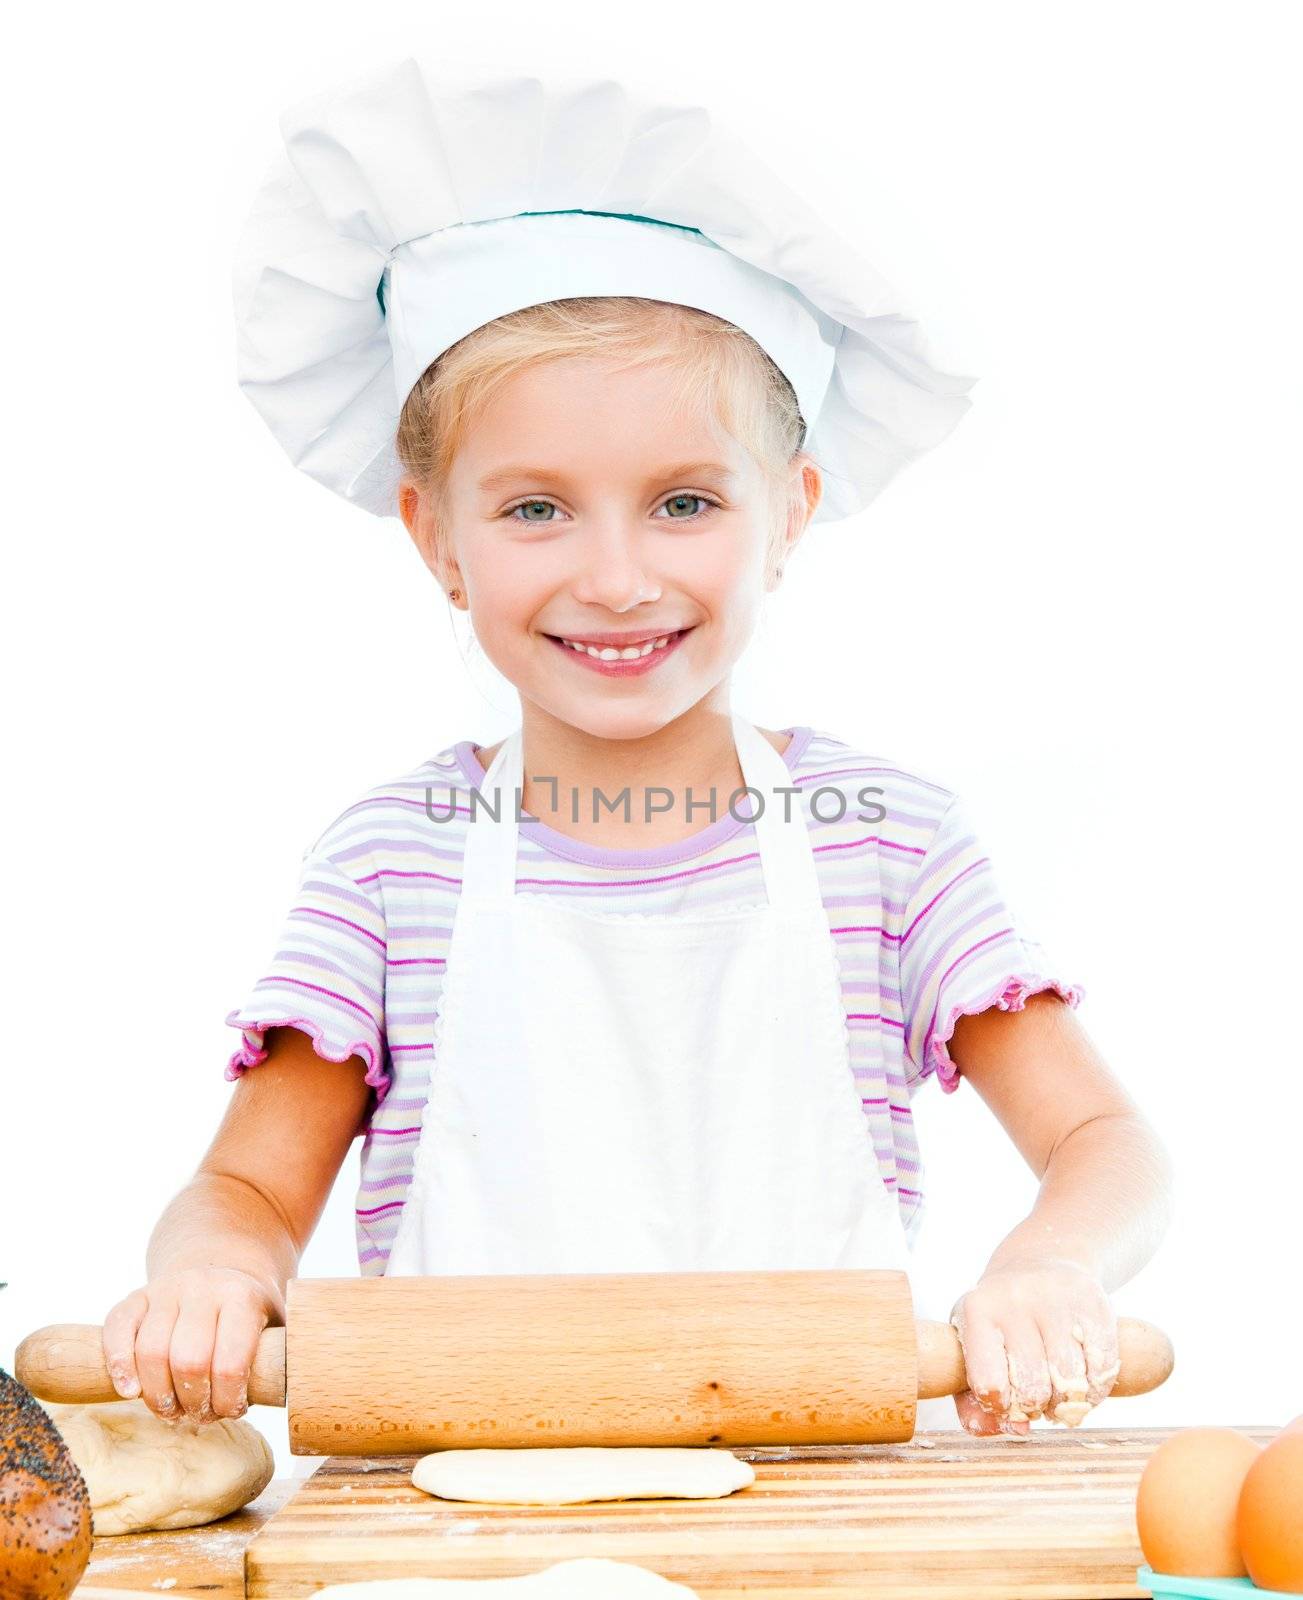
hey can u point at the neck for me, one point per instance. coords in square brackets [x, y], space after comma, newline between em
[565, 767]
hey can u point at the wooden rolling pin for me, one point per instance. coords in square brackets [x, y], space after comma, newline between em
[403, 1365]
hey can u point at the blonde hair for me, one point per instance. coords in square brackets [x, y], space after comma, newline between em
[713, 361]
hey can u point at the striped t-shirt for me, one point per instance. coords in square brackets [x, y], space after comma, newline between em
[921, 932]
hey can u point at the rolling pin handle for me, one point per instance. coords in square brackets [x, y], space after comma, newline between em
[64, 1364]
[1144, 1354]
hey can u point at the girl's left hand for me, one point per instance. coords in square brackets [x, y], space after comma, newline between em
[1039, 1339]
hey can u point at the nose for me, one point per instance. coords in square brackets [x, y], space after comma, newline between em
[613, 572]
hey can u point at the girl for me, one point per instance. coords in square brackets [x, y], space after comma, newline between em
[580, 1029]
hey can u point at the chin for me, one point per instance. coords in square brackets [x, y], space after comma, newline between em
[618, 722]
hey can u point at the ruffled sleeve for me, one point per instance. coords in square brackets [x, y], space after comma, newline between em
[327, 977]
[961, 950]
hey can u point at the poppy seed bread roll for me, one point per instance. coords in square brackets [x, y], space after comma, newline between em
[45, 1519]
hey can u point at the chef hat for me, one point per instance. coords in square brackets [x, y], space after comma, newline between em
[409, 208]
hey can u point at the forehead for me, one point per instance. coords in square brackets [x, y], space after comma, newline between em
[580, 416]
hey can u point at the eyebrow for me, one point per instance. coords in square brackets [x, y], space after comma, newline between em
[689, 469]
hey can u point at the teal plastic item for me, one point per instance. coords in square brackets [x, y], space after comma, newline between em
[1162, 1584]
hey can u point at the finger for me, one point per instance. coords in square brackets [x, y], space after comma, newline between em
[1030, 1386]
[238, 1327]
[981, 1423]
[974, 1418]
[985, 1361]
[119, 1342]
[1066, 1362]
[153, 1346]
[1099, 1340]
[191, 1357]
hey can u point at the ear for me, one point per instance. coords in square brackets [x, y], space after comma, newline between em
[802, 494]
[417, 509]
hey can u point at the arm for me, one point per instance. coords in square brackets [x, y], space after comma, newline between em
[225, 1246]
[260, 1190]
[1105, 1194]
[1038, 1332]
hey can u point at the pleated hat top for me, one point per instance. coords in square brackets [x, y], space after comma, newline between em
[409, 207]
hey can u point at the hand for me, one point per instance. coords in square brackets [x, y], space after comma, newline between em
[1039, 1338]
[186, 1341]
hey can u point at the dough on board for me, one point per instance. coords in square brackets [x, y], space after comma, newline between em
[144, 1473]
[571, 1474]
[569, 1580]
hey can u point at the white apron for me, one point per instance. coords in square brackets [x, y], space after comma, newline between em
[620, 1092]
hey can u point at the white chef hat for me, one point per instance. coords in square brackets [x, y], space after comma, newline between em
[409, 208]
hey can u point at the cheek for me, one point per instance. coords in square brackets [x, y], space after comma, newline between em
[726, 576]
[505, 598]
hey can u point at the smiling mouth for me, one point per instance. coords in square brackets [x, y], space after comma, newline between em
[608, 652]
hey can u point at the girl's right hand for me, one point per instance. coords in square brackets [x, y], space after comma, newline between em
[185, 1342]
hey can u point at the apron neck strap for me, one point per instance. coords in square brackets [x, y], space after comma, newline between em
[782, 837]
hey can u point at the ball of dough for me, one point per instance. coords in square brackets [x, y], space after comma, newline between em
[566, 1475]
[144, 1473]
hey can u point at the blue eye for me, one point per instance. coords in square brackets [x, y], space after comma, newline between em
[701, 499]
[547, 505]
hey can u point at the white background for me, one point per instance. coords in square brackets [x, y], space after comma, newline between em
[1080, 611]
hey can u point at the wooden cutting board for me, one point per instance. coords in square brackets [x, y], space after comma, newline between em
[944, 1515]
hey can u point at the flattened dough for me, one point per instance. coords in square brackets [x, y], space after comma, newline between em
[144, 1473]
[568, 1580]
[568, 1475]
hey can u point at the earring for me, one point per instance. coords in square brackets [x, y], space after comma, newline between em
[454, 594]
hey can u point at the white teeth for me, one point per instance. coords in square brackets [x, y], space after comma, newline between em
[610, 653]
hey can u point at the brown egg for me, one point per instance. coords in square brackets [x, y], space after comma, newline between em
[1187, 1500]
[1269, 1522]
